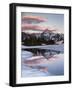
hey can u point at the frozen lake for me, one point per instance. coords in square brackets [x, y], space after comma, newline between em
[42, 61]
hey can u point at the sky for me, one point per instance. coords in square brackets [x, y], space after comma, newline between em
[54, 21]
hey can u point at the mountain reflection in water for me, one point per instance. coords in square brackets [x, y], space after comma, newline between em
[44, 52]
[42, 62]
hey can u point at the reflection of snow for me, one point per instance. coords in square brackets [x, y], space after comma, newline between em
[26, 54]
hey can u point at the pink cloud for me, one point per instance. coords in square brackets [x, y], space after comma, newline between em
[34, 27]
[34, 18]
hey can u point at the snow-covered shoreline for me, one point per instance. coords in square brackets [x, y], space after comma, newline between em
[52, 47]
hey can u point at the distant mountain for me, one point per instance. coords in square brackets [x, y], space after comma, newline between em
[44, 38]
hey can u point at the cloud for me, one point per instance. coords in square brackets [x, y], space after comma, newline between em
[32, 19]
[35, 27]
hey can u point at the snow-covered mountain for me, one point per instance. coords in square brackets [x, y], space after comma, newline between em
[44, 38]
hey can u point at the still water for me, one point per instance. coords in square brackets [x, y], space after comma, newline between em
[39, 62]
